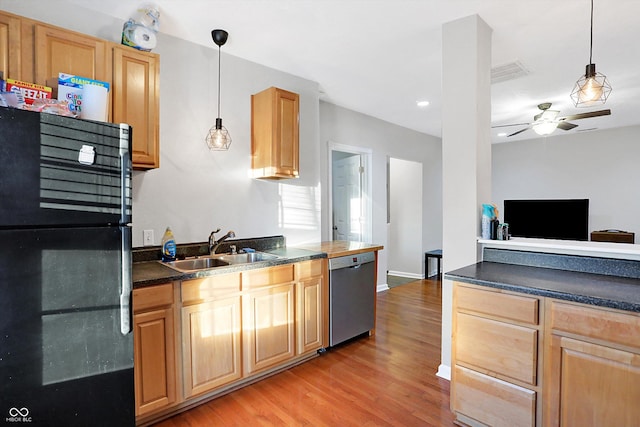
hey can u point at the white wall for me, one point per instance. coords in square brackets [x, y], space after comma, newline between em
[195, 191]
[343, 126]
[406, 257]
[603, 166]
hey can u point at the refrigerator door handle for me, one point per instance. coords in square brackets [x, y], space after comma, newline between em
[127, 281]
[125, 171]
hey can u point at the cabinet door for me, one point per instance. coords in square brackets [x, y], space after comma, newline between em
[61, 51]
[268, 323]
[286, 130]
[155, 383]
[10, 46]
[309, 315]
[275, 134]
[136, 102]
[211, 344]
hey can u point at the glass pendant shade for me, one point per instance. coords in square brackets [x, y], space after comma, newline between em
[591, 88]
[218, 137]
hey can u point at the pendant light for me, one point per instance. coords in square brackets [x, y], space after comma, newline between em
[218, 138]
[592, 87]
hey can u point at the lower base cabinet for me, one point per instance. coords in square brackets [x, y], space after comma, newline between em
[154, 348]
[521, 360]
[592, 366]
[223, 331]
[211, 345]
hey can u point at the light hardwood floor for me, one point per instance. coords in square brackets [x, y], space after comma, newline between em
[385, 380]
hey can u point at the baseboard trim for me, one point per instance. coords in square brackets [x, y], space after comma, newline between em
[383, 287]
[444, 372]
[404, 274]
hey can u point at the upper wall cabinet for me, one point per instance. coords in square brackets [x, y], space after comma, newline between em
[62, 51]
[275, 134]
[136, 94]
[10, 46]
[36, 52]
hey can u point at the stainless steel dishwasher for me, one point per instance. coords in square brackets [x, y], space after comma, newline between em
[352, 294]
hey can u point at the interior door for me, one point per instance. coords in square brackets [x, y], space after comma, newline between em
[347, 199]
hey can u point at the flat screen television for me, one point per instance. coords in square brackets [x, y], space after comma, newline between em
[564, 219]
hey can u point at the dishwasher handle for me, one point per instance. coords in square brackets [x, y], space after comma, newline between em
[349, 261]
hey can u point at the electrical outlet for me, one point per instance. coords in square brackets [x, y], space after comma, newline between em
[147, 237]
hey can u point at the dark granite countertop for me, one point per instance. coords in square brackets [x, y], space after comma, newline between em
[595, 289]
[148, 273]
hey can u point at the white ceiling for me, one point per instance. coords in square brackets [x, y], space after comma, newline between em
[379, 57]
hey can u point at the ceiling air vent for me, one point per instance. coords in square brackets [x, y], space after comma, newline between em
[509, 71]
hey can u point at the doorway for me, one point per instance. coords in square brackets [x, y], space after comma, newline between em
[350, 188]
[404, 222]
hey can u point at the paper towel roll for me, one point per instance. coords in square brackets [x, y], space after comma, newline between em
[139, 37]
[95, 100]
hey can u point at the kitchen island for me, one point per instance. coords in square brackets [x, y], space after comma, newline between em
[545, 338]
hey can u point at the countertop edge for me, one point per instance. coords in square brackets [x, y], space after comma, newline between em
[558, 290]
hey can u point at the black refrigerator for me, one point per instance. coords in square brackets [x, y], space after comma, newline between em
[66, 344]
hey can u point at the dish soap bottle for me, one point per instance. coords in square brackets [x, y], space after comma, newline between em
[168, 246]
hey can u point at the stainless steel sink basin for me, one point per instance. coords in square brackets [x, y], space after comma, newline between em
[245, 258]
[196, 264]
[206, 263]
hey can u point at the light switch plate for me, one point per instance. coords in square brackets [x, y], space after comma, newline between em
[147, 237]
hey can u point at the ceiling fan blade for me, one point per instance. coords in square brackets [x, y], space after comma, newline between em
[513, 124]
[520, 131]
[564, 125]
[587, 115]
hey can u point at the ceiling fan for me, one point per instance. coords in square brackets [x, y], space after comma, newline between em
[547, 120]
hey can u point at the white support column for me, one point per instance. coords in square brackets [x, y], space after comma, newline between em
[466, 151]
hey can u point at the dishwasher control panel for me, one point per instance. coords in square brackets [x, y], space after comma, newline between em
[351, 260]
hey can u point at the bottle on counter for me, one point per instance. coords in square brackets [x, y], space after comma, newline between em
[168, 246]
[487, 215]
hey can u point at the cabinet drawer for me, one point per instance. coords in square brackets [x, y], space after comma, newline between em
[497, 347]
[309, 269]
[267, 276]
[596, 323]
[152, 297]
[498, 304]
[198, 290]
[491, 401]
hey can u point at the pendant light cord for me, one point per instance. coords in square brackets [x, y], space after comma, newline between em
[591, 40]
[219, 76]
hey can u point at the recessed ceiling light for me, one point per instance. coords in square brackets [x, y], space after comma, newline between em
[422, 104]
[502, 134]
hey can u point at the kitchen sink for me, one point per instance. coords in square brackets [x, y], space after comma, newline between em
[196, 264]
[206, 263]
[245, 258]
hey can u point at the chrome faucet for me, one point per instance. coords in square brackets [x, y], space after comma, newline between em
[213, 243]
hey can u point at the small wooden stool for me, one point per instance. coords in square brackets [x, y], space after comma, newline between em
[432, 254]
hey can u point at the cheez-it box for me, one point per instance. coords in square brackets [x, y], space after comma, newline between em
[30, 91]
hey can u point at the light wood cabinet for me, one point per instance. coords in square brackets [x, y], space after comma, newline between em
[275, 134]
[496, 358]
[136, 93]
[211, 331]
[10, 46]
[268, 320]
[62, 51]
[309, 307]
[154, 348]
[36, 52]
[592, 366]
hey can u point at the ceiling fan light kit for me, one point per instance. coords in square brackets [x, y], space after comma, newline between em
[592, 87]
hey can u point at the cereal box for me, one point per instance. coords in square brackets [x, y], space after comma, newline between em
[30, 91]
[70, 89]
